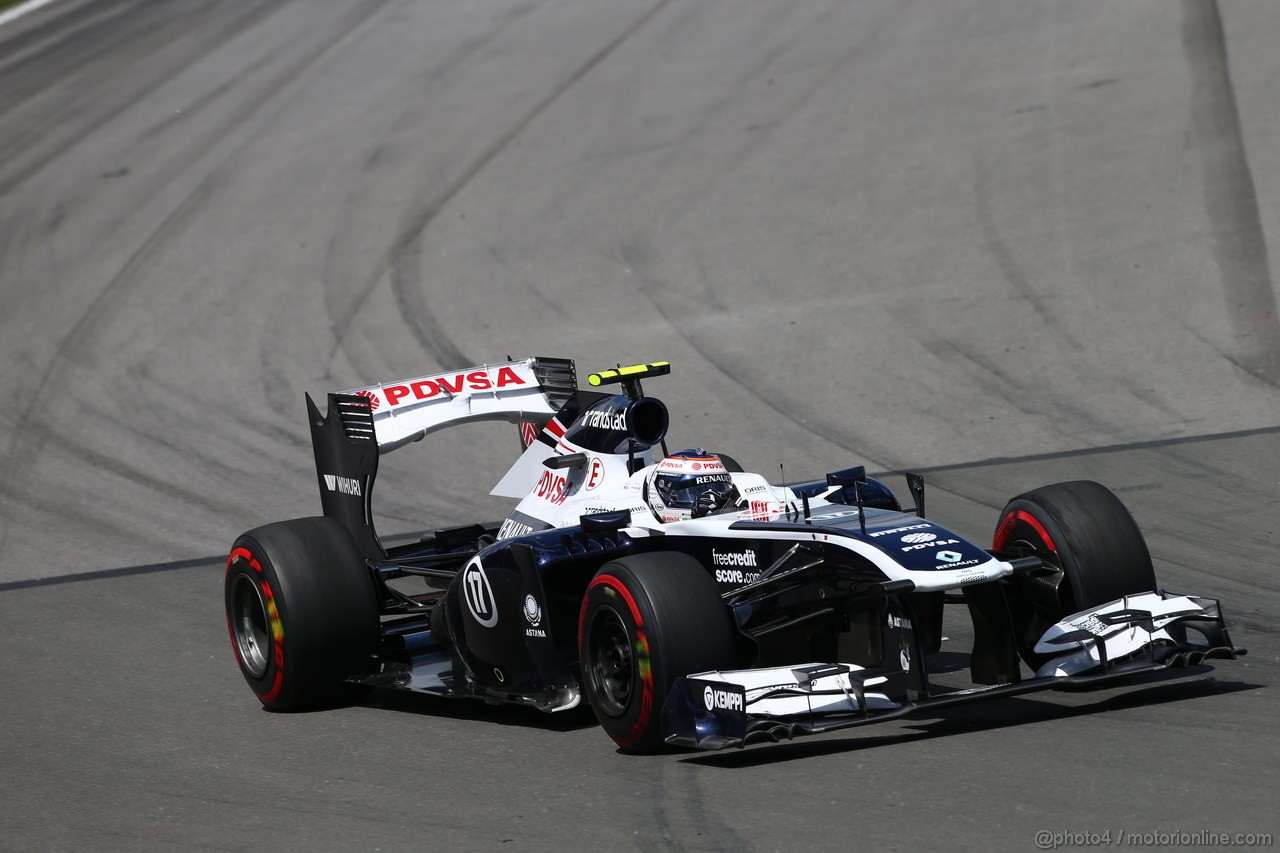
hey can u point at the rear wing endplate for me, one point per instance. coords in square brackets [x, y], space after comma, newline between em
[346, 464]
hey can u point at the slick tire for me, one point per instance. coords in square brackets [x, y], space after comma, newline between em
[301, 612]
[1082, 529]
[646, 620]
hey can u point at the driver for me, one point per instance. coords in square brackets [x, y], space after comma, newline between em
[690, 484]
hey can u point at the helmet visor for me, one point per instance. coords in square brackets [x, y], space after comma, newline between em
[683, 492]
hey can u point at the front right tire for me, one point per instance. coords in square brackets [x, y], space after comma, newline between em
[1084, 531]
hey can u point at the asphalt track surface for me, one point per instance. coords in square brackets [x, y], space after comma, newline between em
[1008, 243]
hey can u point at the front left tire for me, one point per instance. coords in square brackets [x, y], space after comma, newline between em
[646, 620]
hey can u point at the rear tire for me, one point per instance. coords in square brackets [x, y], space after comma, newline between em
[301, 612]
[646, 620]
[1085, 531]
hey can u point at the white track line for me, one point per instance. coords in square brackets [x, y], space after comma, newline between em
[19, 11]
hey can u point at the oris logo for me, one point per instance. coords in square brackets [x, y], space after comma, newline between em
[914, 538]
[726, 700]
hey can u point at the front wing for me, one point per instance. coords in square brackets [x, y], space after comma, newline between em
[1135, 636]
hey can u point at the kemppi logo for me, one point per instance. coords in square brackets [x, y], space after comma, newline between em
[726, 700]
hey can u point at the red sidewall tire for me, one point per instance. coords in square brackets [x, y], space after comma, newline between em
[646, 620]
[301, 612]
[1089, 531]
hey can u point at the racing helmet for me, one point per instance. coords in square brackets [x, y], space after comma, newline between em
[690, 484]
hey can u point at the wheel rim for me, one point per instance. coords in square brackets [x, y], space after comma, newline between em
[1039, 549]
[610, 662]
[1064, 590]
[249, 624]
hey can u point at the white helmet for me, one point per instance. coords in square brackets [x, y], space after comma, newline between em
[689, 484]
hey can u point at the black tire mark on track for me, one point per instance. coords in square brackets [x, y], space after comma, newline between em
[27, 155]
[1000, 382]
[933, 469]
[529, 286]
[868, 39]
[1094, 451]
[1230, 358]
[1011, 270]
[428, 331]
[634, 256]
[75, 37]
[1231, 201]
[342, 308]
[1006, 262]
[107, 574]
[677, 800]
[402, 259]
[77, 345]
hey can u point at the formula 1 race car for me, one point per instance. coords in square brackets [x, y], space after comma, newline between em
[689, 602]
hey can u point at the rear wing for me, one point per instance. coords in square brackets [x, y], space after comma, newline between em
[362, 424]
[530, 390]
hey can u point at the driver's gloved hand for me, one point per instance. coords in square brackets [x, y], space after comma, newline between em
[707, 503]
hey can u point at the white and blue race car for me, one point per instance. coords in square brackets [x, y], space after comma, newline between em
[686, 601]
